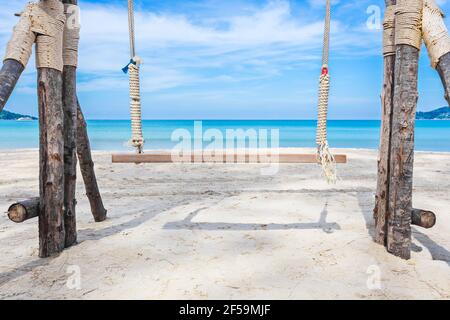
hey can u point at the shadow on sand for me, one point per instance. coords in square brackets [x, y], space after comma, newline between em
[327, 227]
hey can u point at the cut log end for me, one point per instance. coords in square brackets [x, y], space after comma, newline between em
[22, 211]
[423, 218]
[17, 213]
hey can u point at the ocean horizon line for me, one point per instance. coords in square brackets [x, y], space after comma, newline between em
[112, 134]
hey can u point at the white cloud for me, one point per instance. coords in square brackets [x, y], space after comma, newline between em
[178, 51]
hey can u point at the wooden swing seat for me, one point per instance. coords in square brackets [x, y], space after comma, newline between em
[166, 157]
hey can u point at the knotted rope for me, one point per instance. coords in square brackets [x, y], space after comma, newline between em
[42, 23]
[137, 139]
[435, 32]
[325, 157]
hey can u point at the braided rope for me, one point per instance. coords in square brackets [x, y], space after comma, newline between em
[137, 139]
[325, 157]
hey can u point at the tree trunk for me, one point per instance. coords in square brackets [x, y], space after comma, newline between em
[402, 151]
[51, 177]
[443, 69]
[9, 75]
[70, 155]
[24, 210]
[423, 218]
[87, 169]
[381, 198]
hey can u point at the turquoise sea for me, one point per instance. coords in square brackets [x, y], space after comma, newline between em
[113, 134]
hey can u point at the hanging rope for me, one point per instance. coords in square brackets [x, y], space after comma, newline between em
[325, 157]
[137, 139]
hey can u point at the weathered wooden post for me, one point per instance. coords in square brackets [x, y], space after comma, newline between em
[70, 59]
[9, 75]
[18, 53]
[43, 23]
[76, 128]
[51, 121]
[87, 169]
[408, 40]
[381, 202]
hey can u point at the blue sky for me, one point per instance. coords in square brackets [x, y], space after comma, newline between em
[235, 59]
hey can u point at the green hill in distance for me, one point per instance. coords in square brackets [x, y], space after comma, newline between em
[6, 115]
[438, 114]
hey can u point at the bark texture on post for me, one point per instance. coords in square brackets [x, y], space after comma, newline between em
[87, 168]
[402, 151]
[443, 69]
[9, 75]
[70, 153]
[51, 178]
[382, 193]
[24, 210]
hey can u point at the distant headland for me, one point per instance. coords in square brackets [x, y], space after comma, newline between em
[6, 115]
[438, 114]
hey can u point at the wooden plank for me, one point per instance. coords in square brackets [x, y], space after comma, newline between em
[166, 157]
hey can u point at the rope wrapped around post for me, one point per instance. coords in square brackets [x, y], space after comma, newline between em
[41, 23]
[435, 33]
[137, 139]
[389, 31]
[325, 157]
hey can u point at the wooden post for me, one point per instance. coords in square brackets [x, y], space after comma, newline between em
[24, 210]
[87, 168]
[70, 154]
[443, 69]
[381, 198]
[402, 144]
[51, 177]
[51, 138]
[9, 75]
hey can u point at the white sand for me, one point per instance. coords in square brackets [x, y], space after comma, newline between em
[227, 232]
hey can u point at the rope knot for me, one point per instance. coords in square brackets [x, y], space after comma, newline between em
[136, 61]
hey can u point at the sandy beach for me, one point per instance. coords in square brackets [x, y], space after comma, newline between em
[210, 231]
